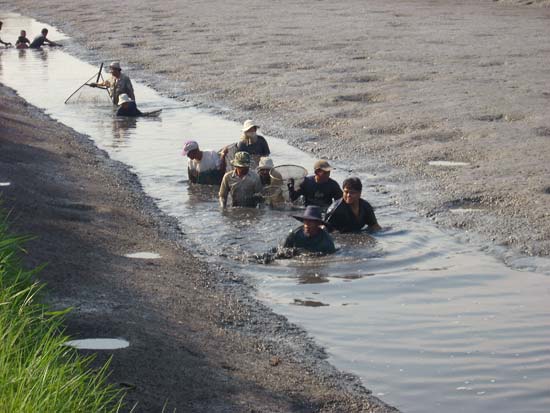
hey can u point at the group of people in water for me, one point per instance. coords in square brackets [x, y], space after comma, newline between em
[23, 42]
[245, 174]
[244, 171]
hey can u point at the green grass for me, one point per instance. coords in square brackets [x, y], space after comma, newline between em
[37, 372]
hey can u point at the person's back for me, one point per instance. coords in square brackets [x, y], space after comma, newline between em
[206, 171]
[38, 42]
[129, 109]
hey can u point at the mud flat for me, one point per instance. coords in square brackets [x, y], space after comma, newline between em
[197, 340]
[401, 83]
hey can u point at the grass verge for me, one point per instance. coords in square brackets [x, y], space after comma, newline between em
[37, 372]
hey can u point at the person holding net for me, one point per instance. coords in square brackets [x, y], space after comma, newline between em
[118, 84]
[351, 213]
[319, 189]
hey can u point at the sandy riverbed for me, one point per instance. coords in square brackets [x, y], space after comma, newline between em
[400, 82]
[198, 341]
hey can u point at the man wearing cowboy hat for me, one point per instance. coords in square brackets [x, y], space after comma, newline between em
[118, 84]
[243, 184]
[310, 236]
[127, 107]
[319, 189]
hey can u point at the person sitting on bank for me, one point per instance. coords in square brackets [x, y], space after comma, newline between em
[127, 107]
[203, 167]
[118, 84]
[351, 213]
[264, 168]
[22, 41]
[319, 189]
[41, 40]
[311, 236]
[6, 44]
[243, 184]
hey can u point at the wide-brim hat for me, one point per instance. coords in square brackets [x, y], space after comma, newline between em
[124, 98]
[265, 163]
[241, 159]
[115, 65]
[248, 124]
[312, 213]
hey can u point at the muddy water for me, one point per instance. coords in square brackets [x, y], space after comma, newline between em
[429, 322]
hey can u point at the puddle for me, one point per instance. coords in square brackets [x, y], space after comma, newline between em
[429, 312]
[98, 344]
[447, 163]
[464, 210]
[144, 255]
[5, 183]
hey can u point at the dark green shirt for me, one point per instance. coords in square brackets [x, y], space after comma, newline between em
[322, 242]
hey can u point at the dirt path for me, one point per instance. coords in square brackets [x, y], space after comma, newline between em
[404, 82]
[199, 342]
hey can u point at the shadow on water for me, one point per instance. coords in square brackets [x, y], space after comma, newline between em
[430, 323]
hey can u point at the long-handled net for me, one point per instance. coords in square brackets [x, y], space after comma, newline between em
[89, 94]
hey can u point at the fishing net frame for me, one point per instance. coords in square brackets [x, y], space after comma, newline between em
[282, 174]
[98, 76]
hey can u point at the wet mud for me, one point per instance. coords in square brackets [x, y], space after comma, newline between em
[198, 340]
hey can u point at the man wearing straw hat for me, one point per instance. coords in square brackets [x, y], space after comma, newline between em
[310, 236]
[118, 84]
[319, 189]
[243, 184]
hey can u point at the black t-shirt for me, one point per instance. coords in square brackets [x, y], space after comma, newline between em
[340, 217]
[320, 194]
[38, 42]
[260, 147]
[131, 110]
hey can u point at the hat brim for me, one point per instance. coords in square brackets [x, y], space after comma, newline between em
[325, 168]
[302, 218]
[250, 127]
[240, 165]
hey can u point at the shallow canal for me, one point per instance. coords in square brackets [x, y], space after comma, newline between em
[430, 323]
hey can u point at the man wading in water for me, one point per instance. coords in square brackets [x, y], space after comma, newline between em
[118, 84]
[41, 40]
[249, 142]
[319, 189]
[310, 236]
[6, 44]
[351, 213]
[203, 167]
[243, 184]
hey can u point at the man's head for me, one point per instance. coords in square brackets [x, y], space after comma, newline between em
[322, 170]
[351, 188]
[115, 69]
[44, 32]
[241, 163]
[312, 220]
[249, 128]
[191, 150]
[124, 100]
[23, 33]
[264, 166]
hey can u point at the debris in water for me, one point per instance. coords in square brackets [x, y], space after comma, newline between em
[448, 163]
[5, 183]
[144, 255]
[98, 344]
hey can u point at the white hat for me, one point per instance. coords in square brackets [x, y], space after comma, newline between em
[190, 146]
[115, 65]
[124, 98]
[265, 163]
[249, 124]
